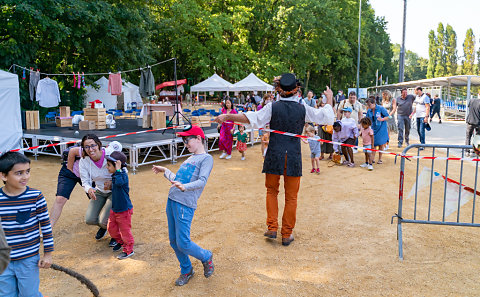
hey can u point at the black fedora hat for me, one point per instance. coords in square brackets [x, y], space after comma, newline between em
[288, 82]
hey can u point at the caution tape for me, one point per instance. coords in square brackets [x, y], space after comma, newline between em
[103, 137]
[264, 129]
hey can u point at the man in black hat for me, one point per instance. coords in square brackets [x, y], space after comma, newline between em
[284, 152]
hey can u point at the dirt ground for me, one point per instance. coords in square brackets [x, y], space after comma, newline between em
[344, 242]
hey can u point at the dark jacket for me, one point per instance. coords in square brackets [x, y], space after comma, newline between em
[287, 116]
[120, 197]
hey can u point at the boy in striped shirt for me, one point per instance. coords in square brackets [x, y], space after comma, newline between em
[22, 211]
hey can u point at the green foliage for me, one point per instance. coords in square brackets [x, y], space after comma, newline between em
[317, 40]
[451, 51]
[415, 66]
[441, 65]
[432, 54]
[469, 53]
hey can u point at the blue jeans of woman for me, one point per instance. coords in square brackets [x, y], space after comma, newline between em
[421, 129]
[179, 219]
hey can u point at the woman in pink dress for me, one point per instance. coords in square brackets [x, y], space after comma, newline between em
[226, 132]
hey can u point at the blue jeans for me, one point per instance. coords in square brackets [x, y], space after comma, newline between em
[21, 278]
[404, 124]
[179, 219]
[421, 130]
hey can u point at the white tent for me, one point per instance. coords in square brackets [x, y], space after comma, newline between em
[102, 94]
[212, 84]
[130, 94]
[10, 116]
[251, 83]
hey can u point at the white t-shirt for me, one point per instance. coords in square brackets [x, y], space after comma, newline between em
[420, 108]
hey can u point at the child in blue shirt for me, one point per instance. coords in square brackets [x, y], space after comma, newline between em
[120, 219]
[187, 186]
[23, 211]
[315, 148]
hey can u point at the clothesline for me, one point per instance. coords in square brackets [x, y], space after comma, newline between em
[105, 73]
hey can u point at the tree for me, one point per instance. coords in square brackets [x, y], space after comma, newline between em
[451, 51]
[441, 63]
[415, 66]
[469, 53]
[432, 54]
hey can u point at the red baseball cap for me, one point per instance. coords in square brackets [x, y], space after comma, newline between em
[193, 131]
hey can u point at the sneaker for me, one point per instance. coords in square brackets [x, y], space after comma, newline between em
[355, 150]
[364, 165]
[100, 233]
[370, 167]
[270, 234]
[112, 243]
[228, 157]
[440, 121]
[386, 147]
[208, 267]
[184, 278]
[124, 255]
[223, 155]
[351, 165]
[287, 241]
[243, 159]
[399, 145]
[117, 247]
[318, 170]
[313, 170]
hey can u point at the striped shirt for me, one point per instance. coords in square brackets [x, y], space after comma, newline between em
[21, 216]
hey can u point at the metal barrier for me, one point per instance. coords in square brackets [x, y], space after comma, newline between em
[423, 207]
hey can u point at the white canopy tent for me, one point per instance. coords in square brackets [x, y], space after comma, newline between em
[251, 83]
[212, 84]
[130, 94]
[10, 116]
[102, 94]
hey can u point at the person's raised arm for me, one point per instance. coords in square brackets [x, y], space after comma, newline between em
[72, 153]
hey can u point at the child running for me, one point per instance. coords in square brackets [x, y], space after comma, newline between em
[315, 148]
[120, 220]
[187, 186]
[23, 211]
[367, 138]
[241, 140]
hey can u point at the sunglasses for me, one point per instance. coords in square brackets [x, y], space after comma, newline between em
[187, 139]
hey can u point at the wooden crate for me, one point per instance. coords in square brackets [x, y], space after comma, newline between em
[64, 122]
[201, 121]
[159, 119]
[64, 111]
[86, 125]
[146, 121]
[32, 119]
[94, 111]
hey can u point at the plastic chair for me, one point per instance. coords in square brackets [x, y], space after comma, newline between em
[187, 110]
[51, 115]
[118, 114]
[76, 112]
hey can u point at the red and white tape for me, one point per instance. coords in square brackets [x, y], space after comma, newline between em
[264, 129]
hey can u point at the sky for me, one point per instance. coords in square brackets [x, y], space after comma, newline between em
[424, 15]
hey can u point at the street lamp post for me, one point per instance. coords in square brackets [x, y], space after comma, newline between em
[401, 61]
[358, 52]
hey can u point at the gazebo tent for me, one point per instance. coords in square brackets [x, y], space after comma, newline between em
[10, 116]
[252, 83]
[102, 94]
[212, 84]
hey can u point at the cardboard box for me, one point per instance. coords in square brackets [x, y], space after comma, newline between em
[64, 122]
[86, 125]
[33, 119]
[159, 119]
[64, 111]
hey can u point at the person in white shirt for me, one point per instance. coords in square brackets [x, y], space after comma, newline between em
[421, 110]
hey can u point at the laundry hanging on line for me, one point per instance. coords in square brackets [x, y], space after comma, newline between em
[48, 94]
[115, 83]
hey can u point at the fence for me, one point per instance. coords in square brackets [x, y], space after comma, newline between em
[435, 189]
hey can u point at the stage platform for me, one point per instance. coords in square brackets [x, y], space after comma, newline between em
[141, 149]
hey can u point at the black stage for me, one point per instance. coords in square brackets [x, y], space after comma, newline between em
[123, 126]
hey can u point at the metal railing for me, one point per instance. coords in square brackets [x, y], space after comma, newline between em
[428, 192]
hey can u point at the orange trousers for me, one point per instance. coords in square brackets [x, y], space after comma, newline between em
[291, 185]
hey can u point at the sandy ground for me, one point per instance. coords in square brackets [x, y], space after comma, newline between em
[344, 242]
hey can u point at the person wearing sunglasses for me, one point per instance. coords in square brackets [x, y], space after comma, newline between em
[93, 168]
[186, 187]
